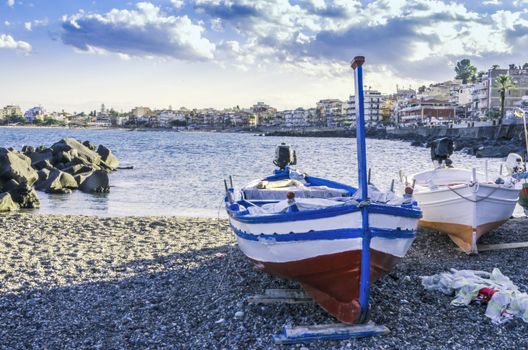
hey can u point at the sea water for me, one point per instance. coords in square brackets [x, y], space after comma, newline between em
[182, 173]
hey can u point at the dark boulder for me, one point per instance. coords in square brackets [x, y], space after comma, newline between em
[108, 157]
[75, 149]
[43, 164]
[95, 182]
[28, 149]
[9, 185]
[57, 182]
[15, 165]
[40, 155]
[7, 203]
[43, 175]
[90, 145]
[493, 151]
[77, 169]
[25, 196]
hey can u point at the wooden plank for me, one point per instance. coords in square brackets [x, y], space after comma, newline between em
[284, 296]
[304, 334]
[486, 247]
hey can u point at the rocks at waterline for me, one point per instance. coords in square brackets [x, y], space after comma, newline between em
[94, 182]
[16, 166]
[107, 157]
[65, 166]
[7, 203]
[56, 181]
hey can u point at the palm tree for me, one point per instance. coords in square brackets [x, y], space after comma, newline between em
[503, 83]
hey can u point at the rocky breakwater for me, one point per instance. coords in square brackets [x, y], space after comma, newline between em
[65, 166]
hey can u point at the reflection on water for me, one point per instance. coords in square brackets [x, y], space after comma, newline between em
[180, 173]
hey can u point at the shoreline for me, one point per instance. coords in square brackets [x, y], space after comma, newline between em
[480, 141]
[165, 282]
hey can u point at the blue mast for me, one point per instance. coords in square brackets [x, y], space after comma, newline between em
[364, 281]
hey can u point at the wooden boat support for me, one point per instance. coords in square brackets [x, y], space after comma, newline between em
[284, 296]
[339, 331]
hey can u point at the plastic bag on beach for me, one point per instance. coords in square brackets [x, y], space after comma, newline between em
[497, 308]
[505, 303]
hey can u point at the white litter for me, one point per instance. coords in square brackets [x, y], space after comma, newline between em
[506, 303]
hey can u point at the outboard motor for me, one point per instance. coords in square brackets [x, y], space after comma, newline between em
[284, 156]
[441, 149]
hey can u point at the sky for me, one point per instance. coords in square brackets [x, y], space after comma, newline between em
[75, 55]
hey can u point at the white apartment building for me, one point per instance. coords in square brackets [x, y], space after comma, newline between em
[373, 103]
[165, 117]
[297, 118]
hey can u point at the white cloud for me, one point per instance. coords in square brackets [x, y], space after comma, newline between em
[27, 25]
[145, 31]
[309, 34]
[8, 42]
[519, 3]
[177, 3]
[492, 2]
[10, 3]
[7, 23]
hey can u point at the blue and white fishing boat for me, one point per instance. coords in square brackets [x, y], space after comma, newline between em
[333, 238]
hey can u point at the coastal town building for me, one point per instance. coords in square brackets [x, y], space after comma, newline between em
[440, 91]
[486, 95]
[34, 114]
[10, 111]
[264, 113]
[426, 111]
[297, 118]
[373, 102]
[331, 113]
[103, 120]
[140, 112]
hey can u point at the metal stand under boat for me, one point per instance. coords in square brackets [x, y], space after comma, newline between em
[303, 334]
[337, 331]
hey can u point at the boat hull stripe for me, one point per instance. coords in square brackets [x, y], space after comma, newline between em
[325, 235]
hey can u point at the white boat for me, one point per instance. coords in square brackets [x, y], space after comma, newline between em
[333, 238]
[461, 202]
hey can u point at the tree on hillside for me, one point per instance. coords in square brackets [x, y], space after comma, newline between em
[512, 66]
[525, 66]
[495, 66]
[465, 70]
[503, 83]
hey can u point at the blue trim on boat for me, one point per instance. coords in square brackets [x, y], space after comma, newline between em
[335, 234]
[317, 181]
[311, 180]
[411, 212]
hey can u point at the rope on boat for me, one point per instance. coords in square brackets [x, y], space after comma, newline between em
[474, 191]
[363, 203]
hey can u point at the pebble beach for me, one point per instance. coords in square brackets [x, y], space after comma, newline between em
[82, 282]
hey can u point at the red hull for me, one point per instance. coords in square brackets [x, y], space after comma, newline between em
[333, 280]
